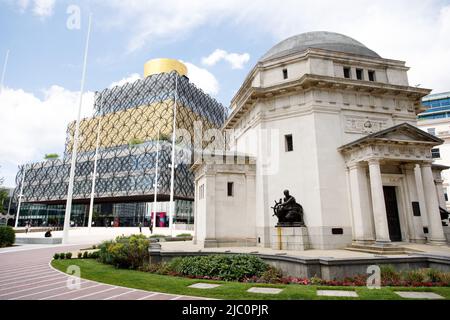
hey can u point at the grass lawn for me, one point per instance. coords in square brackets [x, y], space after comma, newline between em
[93, 270]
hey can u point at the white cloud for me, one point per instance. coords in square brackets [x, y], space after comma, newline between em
[33, 127]
[202, 78]
[43, 8]
[23, 4]
[236, 60]
[416, 31]
[131, 78]
[152, 20]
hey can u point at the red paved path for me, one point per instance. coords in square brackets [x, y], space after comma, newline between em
[27, 275]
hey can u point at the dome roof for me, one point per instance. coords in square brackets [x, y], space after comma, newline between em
[321, 40]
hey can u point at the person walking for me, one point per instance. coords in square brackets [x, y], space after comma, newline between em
[140, 227]
[150, 226]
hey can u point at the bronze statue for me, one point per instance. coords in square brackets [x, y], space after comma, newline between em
[288, 211]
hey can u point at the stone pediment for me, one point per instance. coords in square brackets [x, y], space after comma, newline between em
[402, 133]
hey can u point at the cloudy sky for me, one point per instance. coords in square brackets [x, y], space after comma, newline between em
[220, 41]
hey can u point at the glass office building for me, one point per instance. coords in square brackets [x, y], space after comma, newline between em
[438, 106]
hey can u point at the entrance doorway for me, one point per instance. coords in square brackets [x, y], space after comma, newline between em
[393, 220]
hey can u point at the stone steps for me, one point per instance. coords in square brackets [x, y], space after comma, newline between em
[382, 250]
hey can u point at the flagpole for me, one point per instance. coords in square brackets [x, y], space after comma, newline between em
[20, 196]
[94, 174]
[156, 182]
[172, 173]
[4, 71]
[9, 205]
[75, 143]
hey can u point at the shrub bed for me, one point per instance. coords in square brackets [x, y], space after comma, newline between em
[129, 252]
[62, 255]
[178, 238]
[184, 235]
[157, 236]
[88, 255]
[216, 267]
[205, 268]
[389, 277]
[7, 236]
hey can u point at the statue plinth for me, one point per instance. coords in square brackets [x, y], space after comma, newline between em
[290, 233]
[290, 238]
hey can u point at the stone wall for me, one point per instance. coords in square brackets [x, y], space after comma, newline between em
[326, 268]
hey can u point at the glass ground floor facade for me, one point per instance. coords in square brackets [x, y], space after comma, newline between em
[129, 214]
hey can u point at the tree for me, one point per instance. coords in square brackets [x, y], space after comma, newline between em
[3, 196]
[51, 156]
[3, 193]
[165, 137]
[135, 142]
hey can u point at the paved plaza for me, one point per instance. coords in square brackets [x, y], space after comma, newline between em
[99, 234]
[335, 253]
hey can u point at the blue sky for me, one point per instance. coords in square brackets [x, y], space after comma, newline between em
[43, 52]
[44, 67]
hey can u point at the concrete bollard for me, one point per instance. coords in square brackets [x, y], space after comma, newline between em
[154, 253]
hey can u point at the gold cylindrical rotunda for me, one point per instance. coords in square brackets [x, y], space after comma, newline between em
[164, 65]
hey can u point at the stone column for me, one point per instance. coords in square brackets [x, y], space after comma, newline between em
[378, 204]
[415, 223]
[195, 205]
[434, 218]
[440, 192]
[361, 210]
[421, 195]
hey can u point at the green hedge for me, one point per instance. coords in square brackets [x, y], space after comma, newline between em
[223, 266]
[184, 235]
[7, 236]
[390, 276]
[157, 236]
[125, 252]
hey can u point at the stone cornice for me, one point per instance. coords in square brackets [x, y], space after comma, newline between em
[317, 53]
[388, 152]
[332, 55]
[382, 137]
[248, 97]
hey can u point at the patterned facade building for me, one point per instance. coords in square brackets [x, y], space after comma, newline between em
[127, 120]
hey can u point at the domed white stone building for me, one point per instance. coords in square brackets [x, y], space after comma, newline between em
[333, 122]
